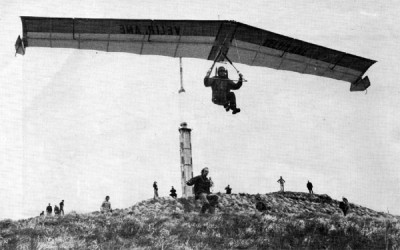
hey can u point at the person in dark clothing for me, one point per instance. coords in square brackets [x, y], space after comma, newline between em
[62, 207]
[344, 206]
[173, 192]
[202, 186]
[310, 186]
[228, 189]
[56, 210]
[49, 210]
[155, 190]
[221, 87]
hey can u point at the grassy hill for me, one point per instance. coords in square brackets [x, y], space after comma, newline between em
[291, 221]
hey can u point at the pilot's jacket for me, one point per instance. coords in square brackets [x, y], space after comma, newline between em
[220, 88]
[201, 184]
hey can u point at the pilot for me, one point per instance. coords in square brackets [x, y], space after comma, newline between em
[221, 87]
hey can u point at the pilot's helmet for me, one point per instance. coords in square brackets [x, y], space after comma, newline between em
[221, 69]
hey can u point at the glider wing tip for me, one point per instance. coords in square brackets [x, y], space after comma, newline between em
[360, 85]
[19, 46]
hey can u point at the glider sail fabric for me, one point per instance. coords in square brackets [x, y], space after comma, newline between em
[197, 39]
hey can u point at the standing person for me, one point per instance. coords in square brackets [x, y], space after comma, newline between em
[155, 190]
[62, 207]
[282, 182]
[310, 186]
[202, 186]
[106, 205]
[344, 206]
[221, 87]
[228, 189]
[49, 210]
[173, 192]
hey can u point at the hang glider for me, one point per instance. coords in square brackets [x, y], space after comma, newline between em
[211, 40]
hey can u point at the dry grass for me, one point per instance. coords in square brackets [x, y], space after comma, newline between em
[292, 221]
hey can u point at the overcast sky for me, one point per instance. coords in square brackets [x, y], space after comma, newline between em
[79, 125]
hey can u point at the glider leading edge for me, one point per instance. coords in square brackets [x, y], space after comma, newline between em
[211, 40]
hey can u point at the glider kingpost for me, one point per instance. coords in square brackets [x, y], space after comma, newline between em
[211, 40]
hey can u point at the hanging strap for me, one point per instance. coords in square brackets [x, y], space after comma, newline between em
[181, 73]
[215, 60]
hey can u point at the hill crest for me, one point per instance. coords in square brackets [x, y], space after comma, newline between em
[291, 220]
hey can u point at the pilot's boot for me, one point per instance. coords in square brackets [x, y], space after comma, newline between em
[234, 109]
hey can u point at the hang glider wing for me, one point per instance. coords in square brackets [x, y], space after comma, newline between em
[197, 39]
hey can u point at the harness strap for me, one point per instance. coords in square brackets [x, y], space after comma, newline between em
[215, 60]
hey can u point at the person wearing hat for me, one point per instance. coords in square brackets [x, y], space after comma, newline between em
[221, 87]
[155, 190]
[202, 186]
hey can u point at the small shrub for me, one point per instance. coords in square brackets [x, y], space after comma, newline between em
[6, 224]
[32, 232]
[145, 240]
[188, 204]
[11, 243]
[129, 228]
